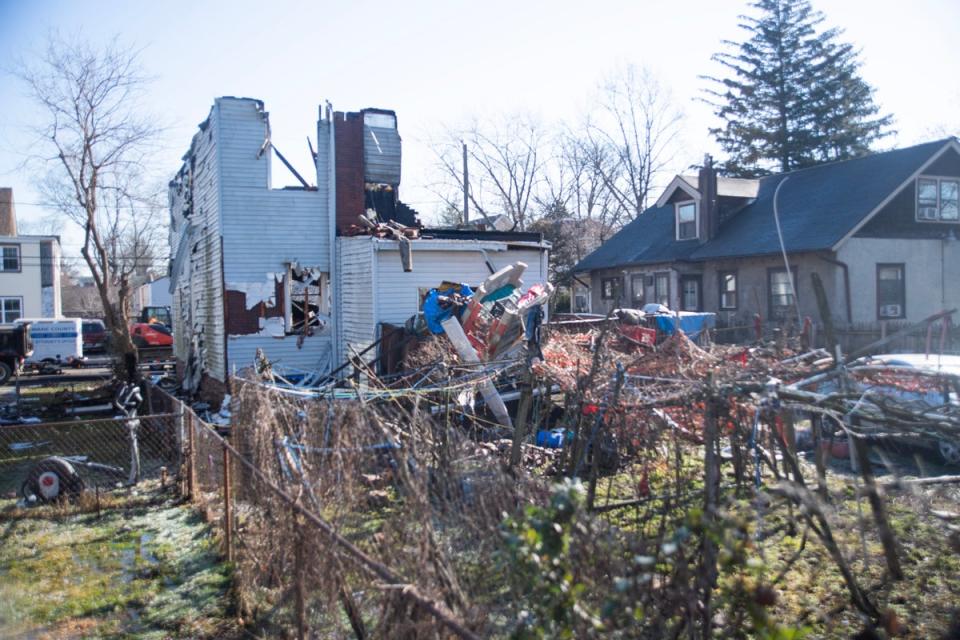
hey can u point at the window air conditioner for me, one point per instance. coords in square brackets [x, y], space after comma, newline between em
[890, 311]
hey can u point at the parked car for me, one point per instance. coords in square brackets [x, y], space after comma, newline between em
[94, 336]
[151, 334]
[947, 395]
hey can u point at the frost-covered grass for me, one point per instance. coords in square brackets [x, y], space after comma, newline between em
[144, 568]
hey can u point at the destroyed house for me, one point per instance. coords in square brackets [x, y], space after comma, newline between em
[299, 273]
[881, 231]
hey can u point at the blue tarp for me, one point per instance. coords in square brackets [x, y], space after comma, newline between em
[433, 313]
[691, 323]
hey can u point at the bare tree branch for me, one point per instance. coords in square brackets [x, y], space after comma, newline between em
[99, 138]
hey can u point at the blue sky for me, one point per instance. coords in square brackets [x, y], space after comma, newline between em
[444, 62]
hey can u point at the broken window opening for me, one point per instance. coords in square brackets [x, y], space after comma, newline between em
[305, 301]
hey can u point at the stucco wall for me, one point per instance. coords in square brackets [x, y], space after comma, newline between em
[931, 271]
[751, 286]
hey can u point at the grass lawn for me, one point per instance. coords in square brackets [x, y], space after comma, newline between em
[146, 568]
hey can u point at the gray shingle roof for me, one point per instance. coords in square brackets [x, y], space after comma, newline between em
[818, 206]
[649, 238]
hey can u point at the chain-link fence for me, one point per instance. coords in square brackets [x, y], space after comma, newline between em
[42, 462]
[285, 512]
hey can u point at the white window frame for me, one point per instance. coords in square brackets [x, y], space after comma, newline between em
[664, 297]
[696, 219]
[643, 290]
[616, 287]
[3, 268]
[722, 302]
[939, 206]
[697, 281]
[3, 308]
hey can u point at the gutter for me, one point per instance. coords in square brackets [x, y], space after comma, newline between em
[332, 230]
[846, 282]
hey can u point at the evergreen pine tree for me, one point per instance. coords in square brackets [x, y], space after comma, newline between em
[794, 97]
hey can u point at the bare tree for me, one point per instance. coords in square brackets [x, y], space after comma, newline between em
[633, 133]
[506, 165]
[591, 167]
[576, 211]
[95, 138]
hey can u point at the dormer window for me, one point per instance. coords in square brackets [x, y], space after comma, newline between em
[938, 199]
[686, 220]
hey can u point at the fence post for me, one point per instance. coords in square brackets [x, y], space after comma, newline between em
[191, 459]
[523, 412]
[227, 504]
[300, 587]
[712, 471]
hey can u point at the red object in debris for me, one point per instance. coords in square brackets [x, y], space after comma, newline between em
[740, 357]
[806, 333]
[150, 335]
[644, 488]
[590, 409]
[839, 448]
[644, 335]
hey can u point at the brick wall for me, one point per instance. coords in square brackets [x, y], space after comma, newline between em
[349, 159]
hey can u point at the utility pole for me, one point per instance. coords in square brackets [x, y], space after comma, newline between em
[466, 187]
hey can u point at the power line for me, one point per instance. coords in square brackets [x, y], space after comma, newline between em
[33, 261]
[54, 205]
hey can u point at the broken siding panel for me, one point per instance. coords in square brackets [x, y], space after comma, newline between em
[398, 293]
[195, 229]
[264, 229]
[198, 292]
[356, 323]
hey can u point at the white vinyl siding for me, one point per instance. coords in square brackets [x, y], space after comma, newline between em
[198, 295]
[243, 232]
[356, 323]
[375, 289]
[398, 292]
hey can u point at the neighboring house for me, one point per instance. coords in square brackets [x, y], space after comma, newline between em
[881, 231]
[81, 299]
[29, 269]
[155, 292]
[254, 267]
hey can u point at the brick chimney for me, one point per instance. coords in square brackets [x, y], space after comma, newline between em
[8, 214]
[348, 154]
[709, 202]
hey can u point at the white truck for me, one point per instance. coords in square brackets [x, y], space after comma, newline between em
[55, 341]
